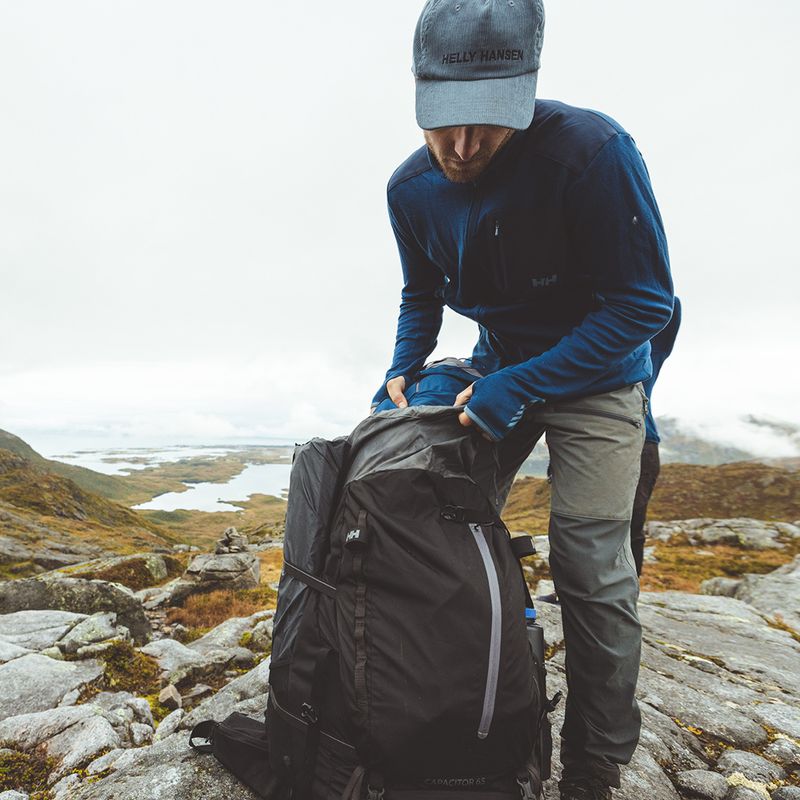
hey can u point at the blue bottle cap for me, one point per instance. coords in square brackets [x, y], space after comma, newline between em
[530, 613]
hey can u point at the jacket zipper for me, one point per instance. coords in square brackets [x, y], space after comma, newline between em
[608, 414]
[500, 260]
[493, 671]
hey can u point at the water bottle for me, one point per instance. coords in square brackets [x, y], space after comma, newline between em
[536, 639]
[535, 635]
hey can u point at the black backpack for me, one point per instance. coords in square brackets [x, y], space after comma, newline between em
[406, 660]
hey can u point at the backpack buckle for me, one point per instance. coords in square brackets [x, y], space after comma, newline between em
[308, 714]
[553, 702]
[525, 788]
[453, 513]
[374, 793]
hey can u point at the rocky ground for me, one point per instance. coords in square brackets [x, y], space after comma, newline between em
[99, 685]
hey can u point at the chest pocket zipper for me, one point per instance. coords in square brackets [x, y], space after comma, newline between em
[502, 278]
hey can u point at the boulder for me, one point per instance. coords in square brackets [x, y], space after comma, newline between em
[71, 736]
[249, 688]
[224, 571]
[104, 762]
[135, 571]
[122, 709]
[205, 573]
[723, 637]
[261, 636]
[230, 633]
[78, 745]
[722, 587]
[12, 794]
[741, 792]
[169, 724]
[211, 665]
[198, 692]
[35, 682]
[182, 665]
[752, 766]
[780, 717]
[750, 534]
[27, 731]
[56, 591]
[702, 783]
[99, 627]
[141, 734]
[784, 751]
[787, 793]
[776, 594]
[171, 655]
[155, 597]
[167, 769]
[170, 697]
[64, 788]
[8, 651]
[37, 630]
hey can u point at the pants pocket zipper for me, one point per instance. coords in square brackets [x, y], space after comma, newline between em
[637, 423]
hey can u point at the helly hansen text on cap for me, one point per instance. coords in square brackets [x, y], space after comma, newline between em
[476, 62]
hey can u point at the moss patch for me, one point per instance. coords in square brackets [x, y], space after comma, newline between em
[18, 569]
[189, 634]
[713, 746]
[128, 670]
[158, 711]
[27, 772]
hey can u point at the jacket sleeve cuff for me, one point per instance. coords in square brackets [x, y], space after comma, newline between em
[480, 423]
[495, 408]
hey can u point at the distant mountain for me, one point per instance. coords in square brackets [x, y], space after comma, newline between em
[681, 444]
[110, 486]
[42, 510]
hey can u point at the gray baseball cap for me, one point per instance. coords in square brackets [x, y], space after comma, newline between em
[476, 62]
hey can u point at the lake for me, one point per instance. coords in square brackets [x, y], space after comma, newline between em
[272, 479]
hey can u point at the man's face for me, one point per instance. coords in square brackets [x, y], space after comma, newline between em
[464, 152]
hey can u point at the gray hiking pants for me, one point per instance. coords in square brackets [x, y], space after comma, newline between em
[595, 450]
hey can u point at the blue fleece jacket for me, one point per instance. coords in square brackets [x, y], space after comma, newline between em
[660, 349]
[557, 251]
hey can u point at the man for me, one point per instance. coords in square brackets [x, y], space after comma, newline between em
[542, 227]
[660, 349]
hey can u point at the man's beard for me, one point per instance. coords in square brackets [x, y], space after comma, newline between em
[459, 171]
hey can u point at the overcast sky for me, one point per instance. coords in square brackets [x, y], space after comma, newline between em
[193, 235]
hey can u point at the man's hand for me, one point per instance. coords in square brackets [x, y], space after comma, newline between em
[461, 400]
[464, 418]
[394, 388]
